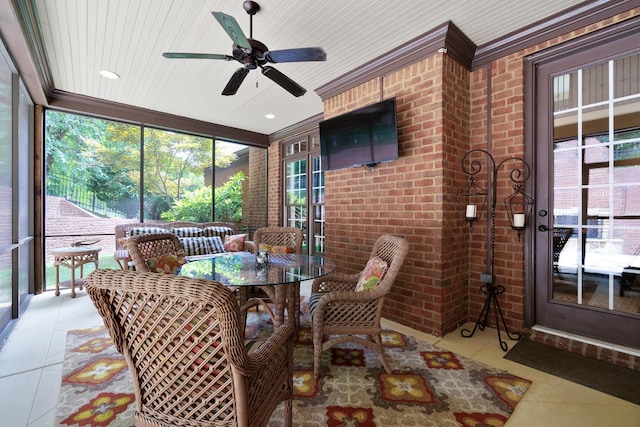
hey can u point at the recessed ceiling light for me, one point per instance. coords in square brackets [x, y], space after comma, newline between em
[109, 74]
[270, 116]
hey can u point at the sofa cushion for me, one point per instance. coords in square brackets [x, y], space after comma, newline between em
[216, 231]
[234, 242]
[314, 298]
[201, 245]
[137, 231]
[188, 231]
[215, 245]
[372, 274]
[168, 264]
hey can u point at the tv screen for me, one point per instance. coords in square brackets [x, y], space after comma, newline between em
[363, 137]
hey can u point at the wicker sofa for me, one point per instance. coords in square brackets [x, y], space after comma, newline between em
[188, 233]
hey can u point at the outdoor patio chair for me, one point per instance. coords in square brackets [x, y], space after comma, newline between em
[185, 349]
[279, 240]
[560, 238]
[347, 307]
[149, 252]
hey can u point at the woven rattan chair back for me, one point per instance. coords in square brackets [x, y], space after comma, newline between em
[185, 350]
[278, 236]
[290, 237]
[349, 316]
[146, 246]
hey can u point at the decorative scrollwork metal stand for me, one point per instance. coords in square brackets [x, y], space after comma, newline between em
[518, 206]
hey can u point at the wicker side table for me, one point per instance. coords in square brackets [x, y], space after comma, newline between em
[72, 258]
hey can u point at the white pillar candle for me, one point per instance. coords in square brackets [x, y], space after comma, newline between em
[471, 211]
[518, 220]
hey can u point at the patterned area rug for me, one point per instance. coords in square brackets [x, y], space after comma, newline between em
[429, 386]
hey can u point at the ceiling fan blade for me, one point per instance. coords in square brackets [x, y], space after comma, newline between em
[185, 55]
[296, 55]
[236, 80]
[287, 84]
[232, 28]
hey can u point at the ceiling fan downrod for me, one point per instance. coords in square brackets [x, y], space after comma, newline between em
[251, 8]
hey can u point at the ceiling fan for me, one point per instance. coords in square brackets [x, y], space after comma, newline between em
[253, 54]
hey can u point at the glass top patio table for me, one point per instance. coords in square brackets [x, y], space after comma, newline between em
[280, 277]
[240, 269]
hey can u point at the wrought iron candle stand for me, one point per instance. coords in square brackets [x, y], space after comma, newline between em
[518, 206]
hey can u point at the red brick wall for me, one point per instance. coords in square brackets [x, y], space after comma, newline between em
[413, 197]
[253, 207]
[274, 185]
[442, 113]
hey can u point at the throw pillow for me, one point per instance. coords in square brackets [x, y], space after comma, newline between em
[195, 246]
[188, 231]
[275, 249]
[372, 274]
[136, 231]
[215, 245]
[122, 242]
[201, 245]
[167, 263]
[216, 231]
[234, 242]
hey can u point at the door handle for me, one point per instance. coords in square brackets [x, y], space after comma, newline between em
[543, 228]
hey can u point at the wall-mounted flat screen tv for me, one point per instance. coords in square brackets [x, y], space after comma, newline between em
[363, 137]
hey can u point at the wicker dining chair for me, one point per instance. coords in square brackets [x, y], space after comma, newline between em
[184, 347]
[143, 247]
[347, 315]
[279, 240]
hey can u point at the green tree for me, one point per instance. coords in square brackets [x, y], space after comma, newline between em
[228, 206]
[196, 205]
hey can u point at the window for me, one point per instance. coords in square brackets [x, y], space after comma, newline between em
[304, 197]
[100, 173]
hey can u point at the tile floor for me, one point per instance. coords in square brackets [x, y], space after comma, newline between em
[31, 369]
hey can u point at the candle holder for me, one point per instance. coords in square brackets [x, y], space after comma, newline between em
[518, 206]
[262, 259]
[475, 198]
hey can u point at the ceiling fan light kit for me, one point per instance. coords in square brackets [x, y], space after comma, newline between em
[253, 54]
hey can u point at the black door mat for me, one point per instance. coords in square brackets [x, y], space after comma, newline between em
[608, 378]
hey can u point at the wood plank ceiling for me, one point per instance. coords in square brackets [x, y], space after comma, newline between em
[128, 37]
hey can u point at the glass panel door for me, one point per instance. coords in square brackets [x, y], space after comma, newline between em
[296, 196]
[592, 283]
[304, 190]
[596, 187]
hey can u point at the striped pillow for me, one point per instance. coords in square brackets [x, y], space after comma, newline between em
[201, 245]
[216, 231]
[137, 231]
[215, 245]
[188, 231]
[194, 246]
[314, 298]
